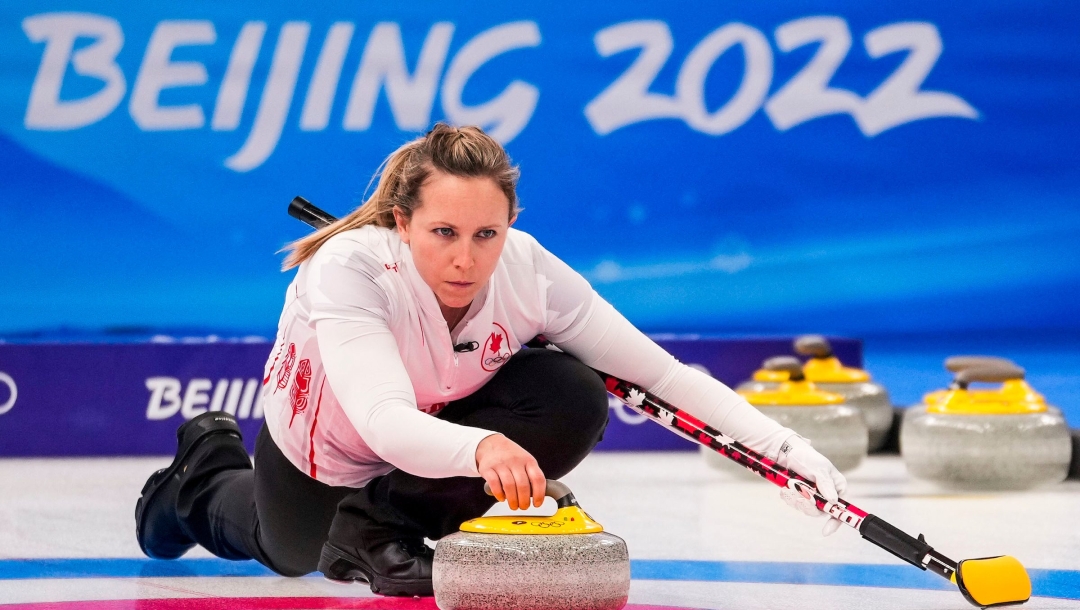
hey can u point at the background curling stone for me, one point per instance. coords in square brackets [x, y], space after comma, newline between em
[1004, 438]
[826, 371]
[1074, 467]
[953, 364]
[835, 429]
[562, 562]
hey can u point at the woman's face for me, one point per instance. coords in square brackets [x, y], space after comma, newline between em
[456, 235]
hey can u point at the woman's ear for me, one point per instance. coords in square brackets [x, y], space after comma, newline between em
[513, 219]
[402, 224]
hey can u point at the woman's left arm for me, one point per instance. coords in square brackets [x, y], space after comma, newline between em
[583, 324]
[607, 341]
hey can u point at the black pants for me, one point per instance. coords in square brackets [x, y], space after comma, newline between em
[547, 402]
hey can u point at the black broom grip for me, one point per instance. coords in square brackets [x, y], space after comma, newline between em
[308, 213]
[893, 540]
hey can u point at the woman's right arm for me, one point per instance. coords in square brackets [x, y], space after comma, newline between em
[363, 365]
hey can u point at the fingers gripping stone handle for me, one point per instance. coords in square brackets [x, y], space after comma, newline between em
[555, 490]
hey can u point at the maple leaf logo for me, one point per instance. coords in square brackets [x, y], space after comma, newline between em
[635, 398]
[496, 342]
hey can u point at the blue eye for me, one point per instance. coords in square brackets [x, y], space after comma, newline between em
[444, 232]
[487, 233]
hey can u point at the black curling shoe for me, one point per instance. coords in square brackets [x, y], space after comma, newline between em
[400, 568]
[156, 525]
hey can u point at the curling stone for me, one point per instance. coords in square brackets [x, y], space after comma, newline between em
[826, 371]
[1001, 438]
[836, 430]
[1074, 467]
[565, 561]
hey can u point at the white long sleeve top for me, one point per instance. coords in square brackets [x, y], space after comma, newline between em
[363, 358]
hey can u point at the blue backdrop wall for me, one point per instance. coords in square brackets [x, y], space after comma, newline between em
[845, 167]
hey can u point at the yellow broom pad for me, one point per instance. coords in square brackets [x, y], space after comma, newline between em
[993, 581]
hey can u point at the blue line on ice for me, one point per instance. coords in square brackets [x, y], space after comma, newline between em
[1046, 583]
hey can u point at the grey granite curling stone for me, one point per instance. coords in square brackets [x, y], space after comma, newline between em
[855, 385]
[835, 430]
[562, 562]
[1074, 467]
[826, 372]
[1007, 438]
[872, 400]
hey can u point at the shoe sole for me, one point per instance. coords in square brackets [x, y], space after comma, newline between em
[157, 481]
[337, 566]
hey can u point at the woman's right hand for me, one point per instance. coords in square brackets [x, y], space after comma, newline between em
[510, 471]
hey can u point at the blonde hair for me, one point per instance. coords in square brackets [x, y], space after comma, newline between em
[467, 152]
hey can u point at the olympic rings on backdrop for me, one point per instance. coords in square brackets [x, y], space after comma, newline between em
[10, 383]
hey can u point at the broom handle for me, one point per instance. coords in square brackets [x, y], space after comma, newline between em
[871, 527]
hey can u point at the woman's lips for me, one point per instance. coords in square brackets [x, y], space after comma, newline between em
[461, 284]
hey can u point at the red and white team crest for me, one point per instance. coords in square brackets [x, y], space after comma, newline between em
[298, 396]
[496, 349]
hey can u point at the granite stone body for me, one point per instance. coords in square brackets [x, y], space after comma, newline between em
[1013, 451]
[836, 431]
[531, 572]
[871, 399]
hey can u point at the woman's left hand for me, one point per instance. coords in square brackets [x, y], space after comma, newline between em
[805, 460]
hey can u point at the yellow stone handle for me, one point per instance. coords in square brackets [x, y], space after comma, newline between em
[554, 489]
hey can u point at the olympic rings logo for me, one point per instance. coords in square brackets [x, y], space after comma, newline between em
[10, 383]
[546, 524]
[501, 358]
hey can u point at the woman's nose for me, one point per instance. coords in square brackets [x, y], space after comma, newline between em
[463, 257]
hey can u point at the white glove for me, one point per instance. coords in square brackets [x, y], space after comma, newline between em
[797, 454]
